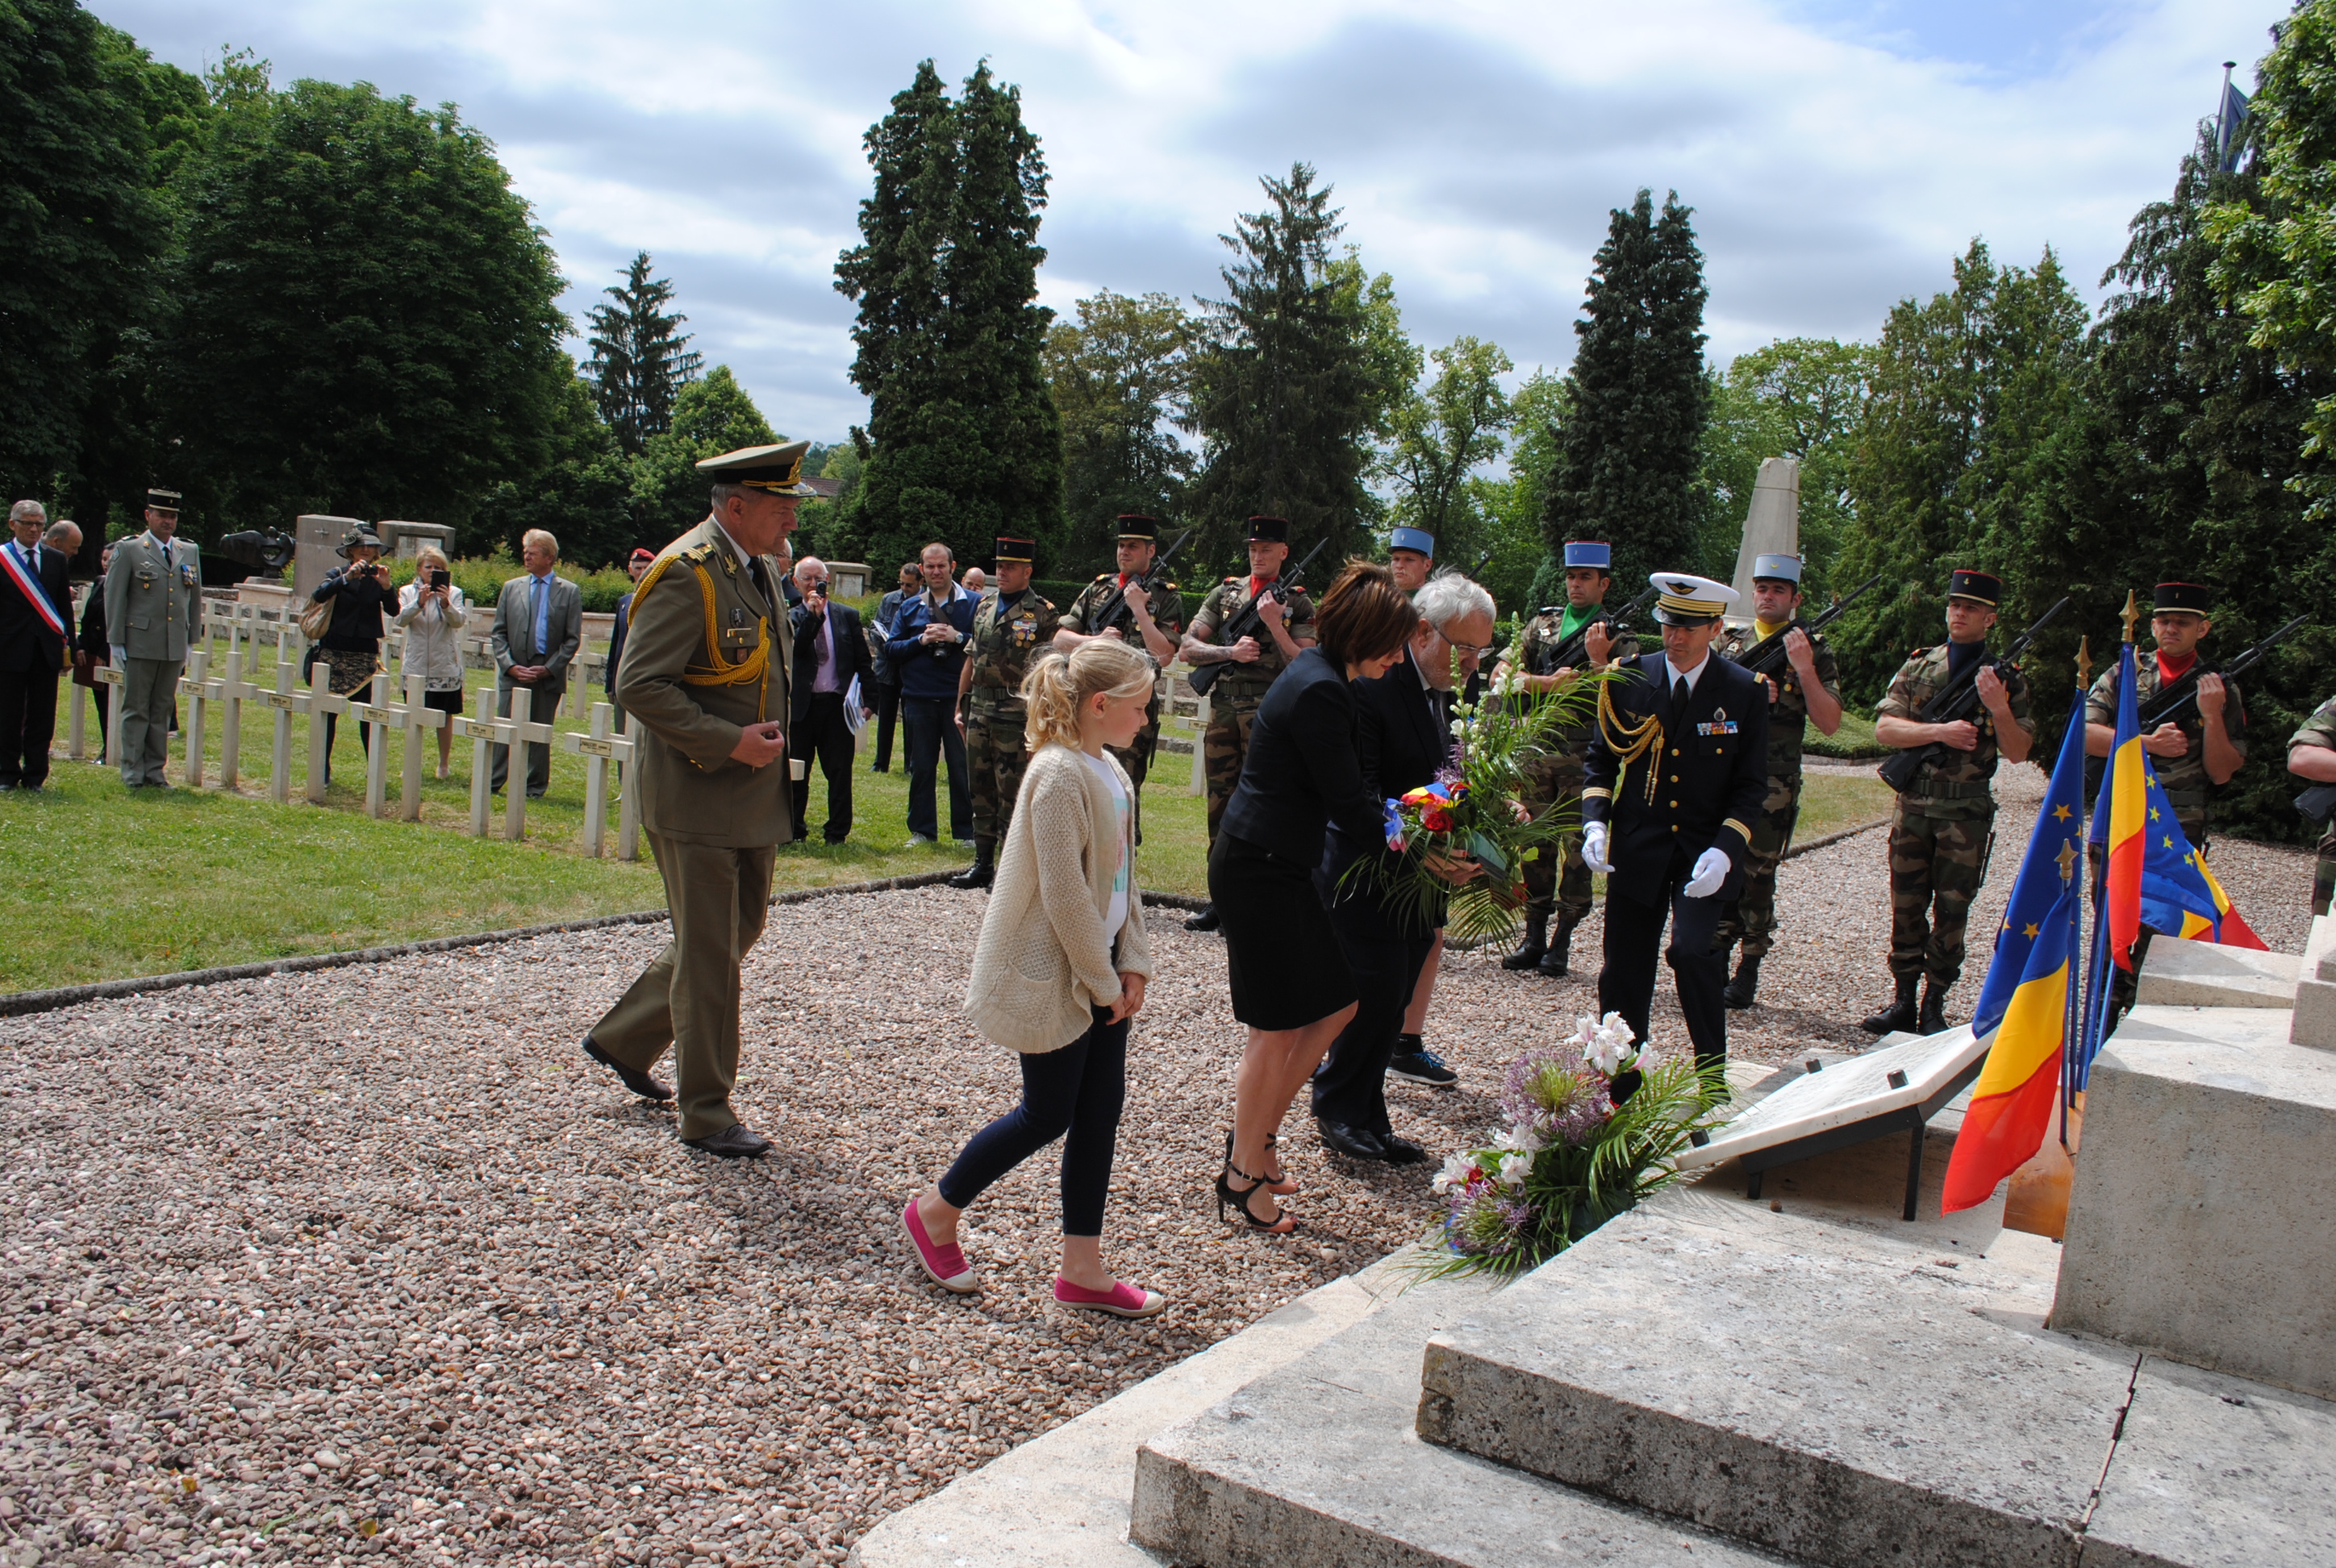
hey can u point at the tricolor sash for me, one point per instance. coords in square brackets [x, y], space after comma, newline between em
[33, 591]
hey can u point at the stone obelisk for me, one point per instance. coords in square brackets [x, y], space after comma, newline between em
[1772, 526]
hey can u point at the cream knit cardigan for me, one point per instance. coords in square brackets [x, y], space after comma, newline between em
[1044, 959]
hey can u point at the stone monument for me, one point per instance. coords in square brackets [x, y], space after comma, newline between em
[316, 536]
[1772, 525]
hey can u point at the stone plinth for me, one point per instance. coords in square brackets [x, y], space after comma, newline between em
[404, 539]
[847, 578]
[1772, 526]
[2179, 974]
[2198, 1223]
[2315, 988]
[316, 537]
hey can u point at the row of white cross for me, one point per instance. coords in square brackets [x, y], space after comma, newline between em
[224, 687]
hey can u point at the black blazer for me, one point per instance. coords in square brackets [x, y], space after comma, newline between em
[851, 657]
[1400, 743]
[25, 640]
[1302, 773]
[1710, 783]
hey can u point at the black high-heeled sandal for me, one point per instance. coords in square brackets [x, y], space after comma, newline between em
[1282, 1222]
[1280, 1186]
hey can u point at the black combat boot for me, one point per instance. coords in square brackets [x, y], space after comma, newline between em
[1552, 965]
[1900, 1015]
[1206, 921]
[1536, 942]
[1746, 986]
[1933, 1020]
[984, 869]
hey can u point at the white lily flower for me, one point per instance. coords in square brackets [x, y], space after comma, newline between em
[1514, 1168]
[1521, 1139]
[1455, 1172]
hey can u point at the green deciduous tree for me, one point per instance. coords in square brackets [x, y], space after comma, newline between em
[365, 318]
[966, 444]
[1302, 370]
[1444, 432]
[580, 493]
[1522, 574]
[640, 356]
[711, 416]
[1627, 462]
[1798, 397]
[1120, 374]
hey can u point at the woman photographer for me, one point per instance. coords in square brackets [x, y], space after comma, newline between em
[430, 611]
[360, 595]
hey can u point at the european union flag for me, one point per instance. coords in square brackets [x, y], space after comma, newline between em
[2230, 126]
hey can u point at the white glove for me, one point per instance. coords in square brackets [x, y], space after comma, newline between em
[1710, 870]
[120, 654]
[1593, 848]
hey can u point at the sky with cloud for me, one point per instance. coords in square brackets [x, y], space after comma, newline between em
[1837, 152]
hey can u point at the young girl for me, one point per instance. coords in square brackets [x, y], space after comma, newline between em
[1058, 970]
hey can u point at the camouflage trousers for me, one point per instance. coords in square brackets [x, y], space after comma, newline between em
[1937, 866]
[2323, 880]
[1560, 882]
[1137, 760]
[1223, 746]
[993, 759]
[1753, 913]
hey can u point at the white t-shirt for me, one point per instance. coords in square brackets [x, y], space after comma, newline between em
[1116, 915]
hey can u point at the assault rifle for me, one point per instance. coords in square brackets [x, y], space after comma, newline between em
[1245, 621]
[2318, 802]
[1567, 654]
[1957, 701]
[1764, 658]
[2171, 700]
[1149, 582]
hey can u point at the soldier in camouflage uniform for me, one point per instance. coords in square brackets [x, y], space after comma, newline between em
[1556, 777]
[1945, 822]
[2312, 757]
[1014, 624]
[1806, 686]
[1251, 663]
[1149, 623]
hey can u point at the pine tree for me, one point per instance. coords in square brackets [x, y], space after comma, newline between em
[1627, 462]
[965, 442]
[640, 361]
[1295, 380]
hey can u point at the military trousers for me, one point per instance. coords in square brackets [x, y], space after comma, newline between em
[1634, 932]
[149, 697]
[1224, 746]
[1752, 915]
[1937, 866]
[687, 999]
[994, 761]
[1557, 878]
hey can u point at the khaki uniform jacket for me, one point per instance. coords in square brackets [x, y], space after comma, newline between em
[154, 595]
[703, 660]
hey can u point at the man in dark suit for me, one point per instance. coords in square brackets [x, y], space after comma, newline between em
[35, 606]
[831, 671]
[1677, 772]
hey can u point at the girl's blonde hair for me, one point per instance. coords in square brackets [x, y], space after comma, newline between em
[1059, 687]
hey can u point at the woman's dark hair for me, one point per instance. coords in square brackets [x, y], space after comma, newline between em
[1364, 616]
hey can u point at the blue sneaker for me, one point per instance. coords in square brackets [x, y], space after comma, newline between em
[1418, 1064]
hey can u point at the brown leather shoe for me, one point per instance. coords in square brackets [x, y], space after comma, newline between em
[640, 1083]
[734, 1142]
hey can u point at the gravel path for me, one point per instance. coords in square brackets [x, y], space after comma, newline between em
[368, 1263]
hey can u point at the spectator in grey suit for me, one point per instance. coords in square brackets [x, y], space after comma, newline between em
[539, 626]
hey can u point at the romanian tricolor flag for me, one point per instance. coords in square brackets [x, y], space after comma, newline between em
[2125, 803]
[2179, 895]
[2024, 1005]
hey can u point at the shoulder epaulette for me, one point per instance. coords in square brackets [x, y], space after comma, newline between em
[1918, 653]
[1170, 587]
[698, 552]
[1102, 576]
[1232, 579]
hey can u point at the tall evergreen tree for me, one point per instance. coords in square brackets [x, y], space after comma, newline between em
[1120, 376]
[1293, 384]
[965, 441]
[640, 358]
[1626, 467]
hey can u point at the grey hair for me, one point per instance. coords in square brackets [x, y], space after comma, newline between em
[28, 511]
[1448, 596]
[543, 534]
[725, 494]
[61, 527]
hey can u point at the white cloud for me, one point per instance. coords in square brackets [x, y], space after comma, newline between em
[1838, 152]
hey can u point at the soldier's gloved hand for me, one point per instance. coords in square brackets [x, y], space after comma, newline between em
[1710, 870]
[1593, 848]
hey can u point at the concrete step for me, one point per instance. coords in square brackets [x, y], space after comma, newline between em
[1821, 1389]
[1318, 1463]
[2206, 975]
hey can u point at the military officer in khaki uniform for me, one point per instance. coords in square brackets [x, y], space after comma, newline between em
[2312, 757]
[704, 680]
[1251, 661]
[1945, 822]
[1804, 688]
[1014, 624]
[1150, 623]
[153, 603]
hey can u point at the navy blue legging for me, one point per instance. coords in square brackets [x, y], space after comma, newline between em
[1076, 1091]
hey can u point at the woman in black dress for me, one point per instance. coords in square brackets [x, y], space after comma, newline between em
[1290, 983]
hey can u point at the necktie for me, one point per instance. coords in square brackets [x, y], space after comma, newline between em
[535, 616]
[762, 579]
[1679, 695]
[819, 648]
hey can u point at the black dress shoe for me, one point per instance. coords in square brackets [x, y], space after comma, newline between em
[734, 1142]
[1400, 1151]
[979, 874]
[1206, 921]
[1344, 1138]
[640, 1082]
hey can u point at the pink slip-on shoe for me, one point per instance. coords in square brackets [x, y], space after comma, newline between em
[947, 1265]
[1121, 1300]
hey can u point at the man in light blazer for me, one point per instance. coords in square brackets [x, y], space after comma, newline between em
[539, 627]
[153, 606]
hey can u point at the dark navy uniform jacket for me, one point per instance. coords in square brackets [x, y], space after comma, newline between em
[1709, 776]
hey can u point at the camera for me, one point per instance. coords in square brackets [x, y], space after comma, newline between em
[440, 578]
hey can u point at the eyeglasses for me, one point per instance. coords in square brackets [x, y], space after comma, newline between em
[1470, 649]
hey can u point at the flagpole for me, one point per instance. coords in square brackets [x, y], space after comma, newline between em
[2072, 1009]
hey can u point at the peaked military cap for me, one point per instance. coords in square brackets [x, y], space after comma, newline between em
[2190, 595]
[1979, 586]
[776, 469]
[1015, 551]
[1683, 599]
[1782, 568]
[161, 500]
[1417, 539]
[1135, 525]
[1269, 530]
[1595, 553]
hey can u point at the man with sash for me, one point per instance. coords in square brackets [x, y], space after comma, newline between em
[34, 605]
[153, 607]
[1148, 623]
[704, 682]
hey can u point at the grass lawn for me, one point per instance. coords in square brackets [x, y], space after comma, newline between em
[105, 883]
